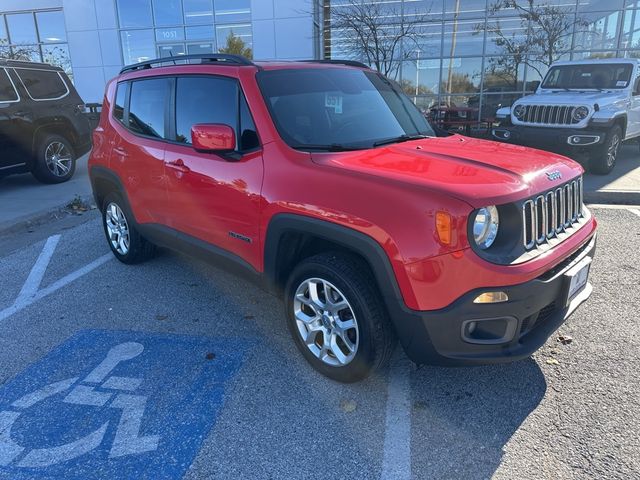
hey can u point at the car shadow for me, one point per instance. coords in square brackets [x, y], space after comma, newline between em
[627, 165]
[462, 418]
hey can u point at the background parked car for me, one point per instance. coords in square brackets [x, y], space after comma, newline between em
[43, 128]
[582, 107]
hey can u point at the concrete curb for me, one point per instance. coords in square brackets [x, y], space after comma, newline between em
[613, 197]
[39, 218]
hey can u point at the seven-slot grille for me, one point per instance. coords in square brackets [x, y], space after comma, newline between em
[551, 213]
[549, 115]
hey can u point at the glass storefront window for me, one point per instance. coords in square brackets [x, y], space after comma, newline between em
[465, 9]
[428, 44]
[241, 31]
[599, 5]
[230, 11]
[3, 32]
[134, 13]
[631, 30]
[22, 28]
[170, 50]
[57, 55]
[204, 32]
[198, 12]
[137, 46]
[167, 12]
[511, 29]
[51, 27]
[461, 75]
[461, 38]
[420, 77]
[503, 73]
[199, 48]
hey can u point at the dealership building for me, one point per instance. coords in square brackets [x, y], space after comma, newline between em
[458, 59]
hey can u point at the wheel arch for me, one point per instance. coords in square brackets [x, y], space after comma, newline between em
[62, 127]
[290, 238]
[103, 182]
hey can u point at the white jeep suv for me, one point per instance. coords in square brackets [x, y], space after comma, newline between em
[586, 106]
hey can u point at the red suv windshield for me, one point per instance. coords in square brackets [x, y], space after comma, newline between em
[339, 107]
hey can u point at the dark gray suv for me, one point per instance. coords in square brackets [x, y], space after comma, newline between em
[43, 128]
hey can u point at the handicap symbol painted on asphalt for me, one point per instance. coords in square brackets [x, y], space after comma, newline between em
[139, 405]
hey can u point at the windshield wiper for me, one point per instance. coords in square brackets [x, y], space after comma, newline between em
[334, 147]
[400, 139]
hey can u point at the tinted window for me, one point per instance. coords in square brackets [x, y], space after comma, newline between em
[596, 76]
[324, 107]
[42, 84]
[147, 106]
[118, 104]
[205, 100]
[7, 92]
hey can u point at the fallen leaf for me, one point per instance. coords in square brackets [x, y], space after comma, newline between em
[565, 339]
[161, 317]
[553, 361]
[348, 406]
[210, 356]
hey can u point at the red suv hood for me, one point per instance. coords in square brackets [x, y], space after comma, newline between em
[479, 172]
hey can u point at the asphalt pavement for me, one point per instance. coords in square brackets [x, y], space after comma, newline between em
[175, 368]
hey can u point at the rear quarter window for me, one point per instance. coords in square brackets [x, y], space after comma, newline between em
[42, 84]
[7, 91]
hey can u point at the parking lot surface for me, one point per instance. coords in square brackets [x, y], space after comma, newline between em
[177, 369]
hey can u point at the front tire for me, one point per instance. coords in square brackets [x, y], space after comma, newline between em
[126, 243]
[55, 160]
[603, 159]
[337, 317]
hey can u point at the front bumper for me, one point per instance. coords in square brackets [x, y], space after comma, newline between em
[534, 311]
[559, 140]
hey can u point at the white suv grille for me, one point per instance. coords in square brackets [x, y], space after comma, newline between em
[551, 213]
[549, 115]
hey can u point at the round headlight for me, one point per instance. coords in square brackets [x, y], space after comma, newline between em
[519, 111]
[580, 113]
[485, 227]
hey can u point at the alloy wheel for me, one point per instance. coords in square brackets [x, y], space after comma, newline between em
[326, 322]
[117, 228]
[58, 159]
[612, 151]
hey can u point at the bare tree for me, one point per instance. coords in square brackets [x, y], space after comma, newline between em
[548, 31]
[376, 33]
[18, 52]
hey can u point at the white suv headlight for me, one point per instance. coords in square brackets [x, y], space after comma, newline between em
[580, 113]
[519, 111]
[485, 226]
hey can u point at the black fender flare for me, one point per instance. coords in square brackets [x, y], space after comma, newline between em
[98, 172]
[401, 316]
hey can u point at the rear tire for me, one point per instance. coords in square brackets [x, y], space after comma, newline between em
[603, 159]
[55, 160]
[349, 336]
[123, 238]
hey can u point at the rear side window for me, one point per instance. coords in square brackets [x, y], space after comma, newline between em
[148, 107]
[7, 92]
[205, 100]
[119, 101]
[42, 84]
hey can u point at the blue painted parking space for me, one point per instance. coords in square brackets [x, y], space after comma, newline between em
[115, 404]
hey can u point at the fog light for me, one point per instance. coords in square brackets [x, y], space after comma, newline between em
[492, 297]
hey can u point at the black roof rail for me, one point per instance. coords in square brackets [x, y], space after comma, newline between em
[350, 63]
[222, 58]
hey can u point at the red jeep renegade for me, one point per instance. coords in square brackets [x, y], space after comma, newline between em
[324, 182]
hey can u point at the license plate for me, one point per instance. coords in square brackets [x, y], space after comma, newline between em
[578, 275]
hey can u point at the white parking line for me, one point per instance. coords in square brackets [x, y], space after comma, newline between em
[396, 461]
[30, 293]
[31, 285]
